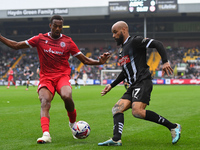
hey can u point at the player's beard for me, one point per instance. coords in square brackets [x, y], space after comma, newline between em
[56, 35]
[120, 39]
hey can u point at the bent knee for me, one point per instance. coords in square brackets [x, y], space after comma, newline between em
[138, 113]
[66, 97]
[116, 110]
[45, 103]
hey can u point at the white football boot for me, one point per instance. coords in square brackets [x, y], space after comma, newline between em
[44, 139]
[71, 127]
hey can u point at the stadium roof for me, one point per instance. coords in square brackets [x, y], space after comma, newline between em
[45, 8]
[36, 4]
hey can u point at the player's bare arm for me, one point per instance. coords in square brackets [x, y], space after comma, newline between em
[103, 58]
[13, 44]
[89, 61]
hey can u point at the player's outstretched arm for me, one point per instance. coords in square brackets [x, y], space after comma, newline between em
[13, 44]
[89, 61]
[103, 58]
[108, 87]
[161, 50]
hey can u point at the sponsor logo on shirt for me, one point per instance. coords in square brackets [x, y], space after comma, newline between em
[124, 60]
[53, 52]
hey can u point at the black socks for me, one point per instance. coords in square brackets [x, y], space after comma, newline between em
[152, 116]
[118, 126]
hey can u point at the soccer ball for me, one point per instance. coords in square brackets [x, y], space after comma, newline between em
[81, 129]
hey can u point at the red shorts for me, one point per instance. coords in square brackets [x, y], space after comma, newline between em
[55, 83]
[10, 78]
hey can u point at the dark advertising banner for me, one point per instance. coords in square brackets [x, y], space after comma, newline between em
[36, 12]
[138, 6]
[118, 7]
[167, 6]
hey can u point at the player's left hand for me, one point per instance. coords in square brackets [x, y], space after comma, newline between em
[103, 58]
[166, 69]
[106, 89]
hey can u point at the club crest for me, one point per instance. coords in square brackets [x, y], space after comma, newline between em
[62, 44]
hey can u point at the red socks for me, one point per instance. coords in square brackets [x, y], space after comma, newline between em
[45, 121]
[45, 124]
[72, 116]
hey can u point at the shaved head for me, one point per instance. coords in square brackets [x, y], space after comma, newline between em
[120, 32]
[120, 25]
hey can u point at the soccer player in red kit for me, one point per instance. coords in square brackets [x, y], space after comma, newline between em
[11, 78]
[54, 50]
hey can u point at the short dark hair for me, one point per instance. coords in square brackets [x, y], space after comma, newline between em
[57, 17]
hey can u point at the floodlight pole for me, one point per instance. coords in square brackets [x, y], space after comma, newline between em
[145, 26]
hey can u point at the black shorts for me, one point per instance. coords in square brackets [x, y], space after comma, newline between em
[139, 92]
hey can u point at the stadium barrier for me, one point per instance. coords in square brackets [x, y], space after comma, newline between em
[98, 82]
[176, 81]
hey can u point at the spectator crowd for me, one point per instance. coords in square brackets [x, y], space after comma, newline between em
[186, 58]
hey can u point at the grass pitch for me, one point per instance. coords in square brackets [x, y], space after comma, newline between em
[20, 119]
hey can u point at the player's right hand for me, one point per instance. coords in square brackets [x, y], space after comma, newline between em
[106, 89]
[103, 58]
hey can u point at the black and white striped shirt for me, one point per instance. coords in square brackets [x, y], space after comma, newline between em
[132, 58]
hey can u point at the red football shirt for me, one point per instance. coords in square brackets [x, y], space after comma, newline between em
[53, 53]
[10, 73]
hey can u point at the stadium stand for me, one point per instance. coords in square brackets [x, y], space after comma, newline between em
[153, 62]
[177, 58]
[178, 30]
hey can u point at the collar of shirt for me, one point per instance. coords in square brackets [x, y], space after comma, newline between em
[126, 40]
[49, 34]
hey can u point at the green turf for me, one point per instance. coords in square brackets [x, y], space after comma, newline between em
[20, 119]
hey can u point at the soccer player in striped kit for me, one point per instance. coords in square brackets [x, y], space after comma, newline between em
[132, 58]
